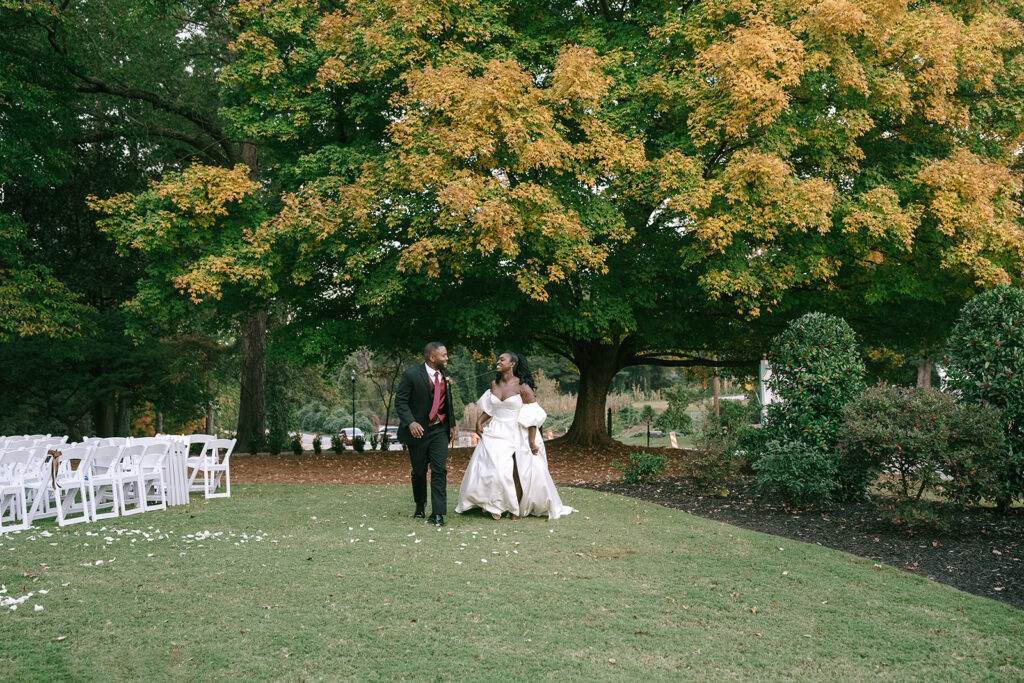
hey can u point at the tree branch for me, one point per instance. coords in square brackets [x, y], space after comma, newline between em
[687, 361]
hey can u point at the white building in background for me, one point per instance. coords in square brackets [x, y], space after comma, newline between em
[765, 395]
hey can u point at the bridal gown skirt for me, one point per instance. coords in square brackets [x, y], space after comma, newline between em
[488, 482]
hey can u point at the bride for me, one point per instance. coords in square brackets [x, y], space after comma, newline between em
[509, 468]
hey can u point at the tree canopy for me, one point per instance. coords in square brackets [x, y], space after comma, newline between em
[618, 183]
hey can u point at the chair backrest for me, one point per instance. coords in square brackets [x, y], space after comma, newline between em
[154, 455]
[13, 463]
[28, 461]
[203, 442]
[18, 444]
[131, 456]
[112, 441]
[75, 462]
[107, 459]
[221, 450]
[147, 440]
[51, 441]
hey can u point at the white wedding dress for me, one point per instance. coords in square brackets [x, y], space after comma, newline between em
[488, 482]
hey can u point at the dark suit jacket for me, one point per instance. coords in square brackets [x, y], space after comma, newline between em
[413, 399]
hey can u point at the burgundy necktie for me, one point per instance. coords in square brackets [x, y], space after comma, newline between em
[437, 397]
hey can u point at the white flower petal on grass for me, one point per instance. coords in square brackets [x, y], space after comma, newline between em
[39, 608]
[483, 560]
[43, 591]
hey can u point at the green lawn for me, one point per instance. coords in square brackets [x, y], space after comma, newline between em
[319, 582]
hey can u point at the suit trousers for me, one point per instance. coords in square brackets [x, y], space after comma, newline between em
[432, 449]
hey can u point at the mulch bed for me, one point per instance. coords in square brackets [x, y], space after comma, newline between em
[980, 552]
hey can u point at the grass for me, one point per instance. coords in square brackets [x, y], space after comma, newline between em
[320, 582]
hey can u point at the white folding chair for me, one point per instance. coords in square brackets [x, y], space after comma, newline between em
[213, 465]
[129, 482]
[13, 507]
[103, 482]
[198, 446]
[151, 477]
[70, 488]
[35, 466]
[19, 444]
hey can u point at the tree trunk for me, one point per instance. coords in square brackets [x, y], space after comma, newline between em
[158, 423]
[124, 415]
[252, 405]
[108, 419]
[924, 373]
[598, 364]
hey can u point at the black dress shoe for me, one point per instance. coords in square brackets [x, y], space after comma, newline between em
[418, 514]
[436, 520]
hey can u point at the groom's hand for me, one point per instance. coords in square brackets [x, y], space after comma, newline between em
[416, 430]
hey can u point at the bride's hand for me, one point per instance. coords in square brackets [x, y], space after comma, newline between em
[534, 448]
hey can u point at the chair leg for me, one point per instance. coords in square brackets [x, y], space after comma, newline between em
[65, 505]
[40, 506]
[14, 501]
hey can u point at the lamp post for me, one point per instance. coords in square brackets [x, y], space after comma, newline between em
[353, 378]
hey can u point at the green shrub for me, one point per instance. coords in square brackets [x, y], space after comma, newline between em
[318, 445]
[816, 370]
[797, 472]
[374, 440]
[641, 468]
[714, 460]
[311, 416]
[340, 419]
[337, 443]
[978, 457]
[257, 442]
[647, 413]
[750, 443]
[358, 443]
[627, 417]
[675, 418]
[985, 363]
[297, 444]
[920, 441]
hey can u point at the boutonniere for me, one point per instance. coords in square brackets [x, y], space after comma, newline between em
[448, 381]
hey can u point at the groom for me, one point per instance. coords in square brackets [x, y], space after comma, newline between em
[426, 424]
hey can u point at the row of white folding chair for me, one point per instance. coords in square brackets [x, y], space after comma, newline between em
[17, 444]
[126, 480]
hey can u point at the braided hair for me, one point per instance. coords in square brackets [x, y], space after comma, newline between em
[521, 370]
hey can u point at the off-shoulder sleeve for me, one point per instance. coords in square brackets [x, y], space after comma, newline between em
[484, 402]
[532, 415]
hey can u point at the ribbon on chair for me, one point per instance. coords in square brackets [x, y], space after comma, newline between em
[54, 465]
